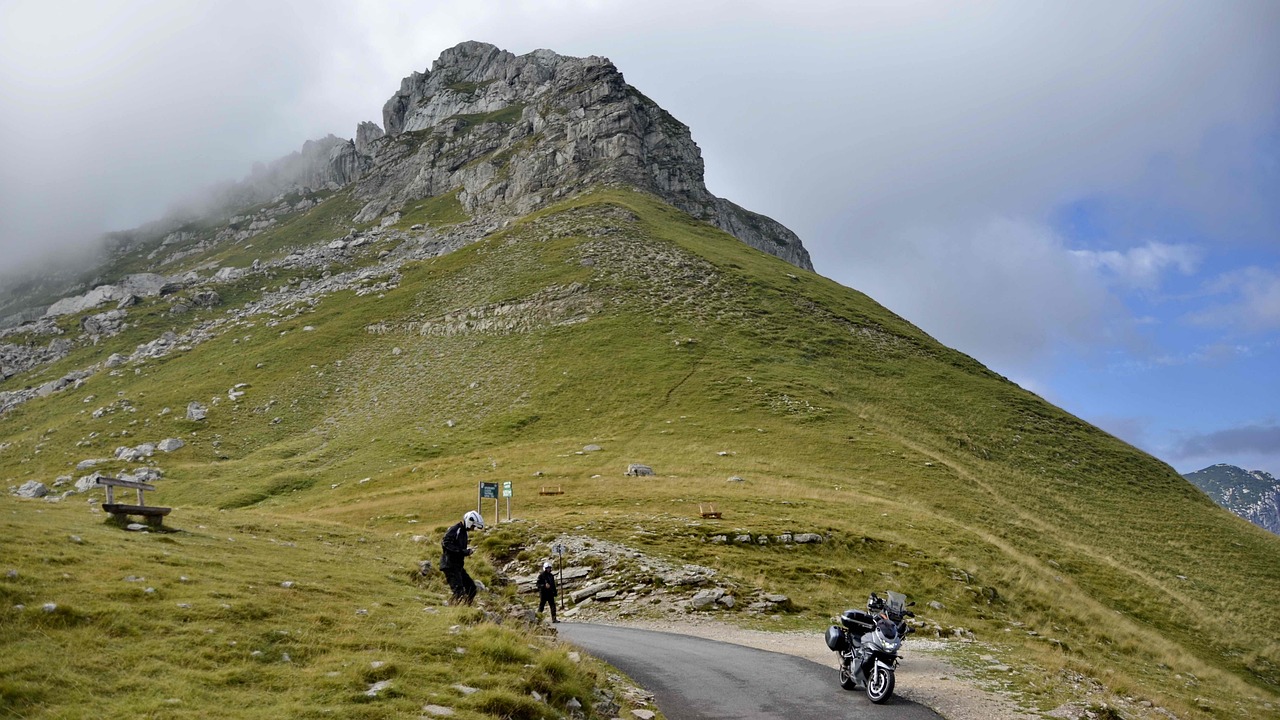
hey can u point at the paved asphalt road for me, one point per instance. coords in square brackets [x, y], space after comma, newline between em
[696, 679]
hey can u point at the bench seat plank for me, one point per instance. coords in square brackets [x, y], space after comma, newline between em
[122, 509]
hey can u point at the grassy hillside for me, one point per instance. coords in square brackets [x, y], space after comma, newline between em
[613, 319]
[243, 616]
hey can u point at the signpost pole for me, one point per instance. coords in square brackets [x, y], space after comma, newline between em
[559, 551]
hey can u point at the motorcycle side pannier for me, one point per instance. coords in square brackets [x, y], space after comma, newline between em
[859, 621]
[836, 639]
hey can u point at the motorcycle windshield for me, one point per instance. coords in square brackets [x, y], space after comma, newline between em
[888, 630]
[896, 602]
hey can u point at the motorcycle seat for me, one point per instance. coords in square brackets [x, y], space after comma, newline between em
[859, 621]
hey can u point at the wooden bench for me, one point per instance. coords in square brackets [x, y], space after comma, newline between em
[550, 490]
[120, 512]
[708, 510]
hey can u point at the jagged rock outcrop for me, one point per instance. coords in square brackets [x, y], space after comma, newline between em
[1252, 494]
[104, 324]
[16, 359]
[366, 133]
[139, 285]
[328, 162]
[512, 133]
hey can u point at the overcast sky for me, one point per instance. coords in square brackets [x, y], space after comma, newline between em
[1085, 196]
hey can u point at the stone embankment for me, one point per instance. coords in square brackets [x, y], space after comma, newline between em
[602, 578]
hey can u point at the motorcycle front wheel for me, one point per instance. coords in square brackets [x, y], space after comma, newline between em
[880, 684]
[846, 676]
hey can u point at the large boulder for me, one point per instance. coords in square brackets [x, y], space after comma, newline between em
[704, 599]
[148, 474]
[32, 489]
[80, 303]
[140, 285]
[88, 482]
[103, 324]
[197, 412]
[130, 454]
[205, 298]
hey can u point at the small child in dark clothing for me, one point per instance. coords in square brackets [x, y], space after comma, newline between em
[547, 591]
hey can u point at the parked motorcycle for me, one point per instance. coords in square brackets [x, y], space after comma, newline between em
[868, 641]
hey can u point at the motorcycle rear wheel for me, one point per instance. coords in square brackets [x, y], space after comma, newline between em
[846, 676]
[879, 685]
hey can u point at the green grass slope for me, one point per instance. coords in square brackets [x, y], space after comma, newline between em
[616, 320]
[252, 618]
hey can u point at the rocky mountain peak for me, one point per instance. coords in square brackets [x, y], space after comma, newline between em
[509, 134]
[476, 77]
[1252, 494]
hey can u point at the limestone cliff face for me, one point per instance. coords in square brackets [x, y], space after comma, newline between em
[327, 162]
[513, 133]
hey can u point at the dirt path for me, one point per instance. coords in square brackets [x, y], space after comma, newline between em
[924, 677]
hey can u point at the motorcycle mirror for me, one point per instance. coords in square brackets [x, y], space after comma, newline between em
[913, 602]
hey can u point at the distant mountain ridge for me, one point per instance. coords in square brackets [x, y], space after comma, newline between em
[1252, 494]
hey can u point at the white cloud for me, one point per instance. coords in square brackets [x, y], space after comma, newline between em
[1252, 301]
[1006, 290]
[1143, 267]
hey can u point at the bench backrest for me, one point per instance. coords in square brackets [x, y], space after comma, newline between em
[115, 482]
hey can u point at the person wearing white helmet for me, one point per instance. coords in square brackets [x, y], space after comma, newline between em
[547, 590]
[453, 561]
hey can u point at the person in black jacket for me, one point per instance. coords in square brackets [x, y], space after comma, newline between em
[547, 590]
[452, 562]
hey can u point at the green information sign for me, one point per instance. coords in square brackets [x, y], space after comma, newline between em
[506, 489]
[489, 490]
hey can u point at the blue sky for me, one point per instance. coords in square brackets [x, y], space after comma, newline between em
[1084, 196]
[1197, 278]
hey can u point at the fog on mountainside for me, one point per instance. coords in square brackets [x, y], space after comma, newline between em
[486, 100]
